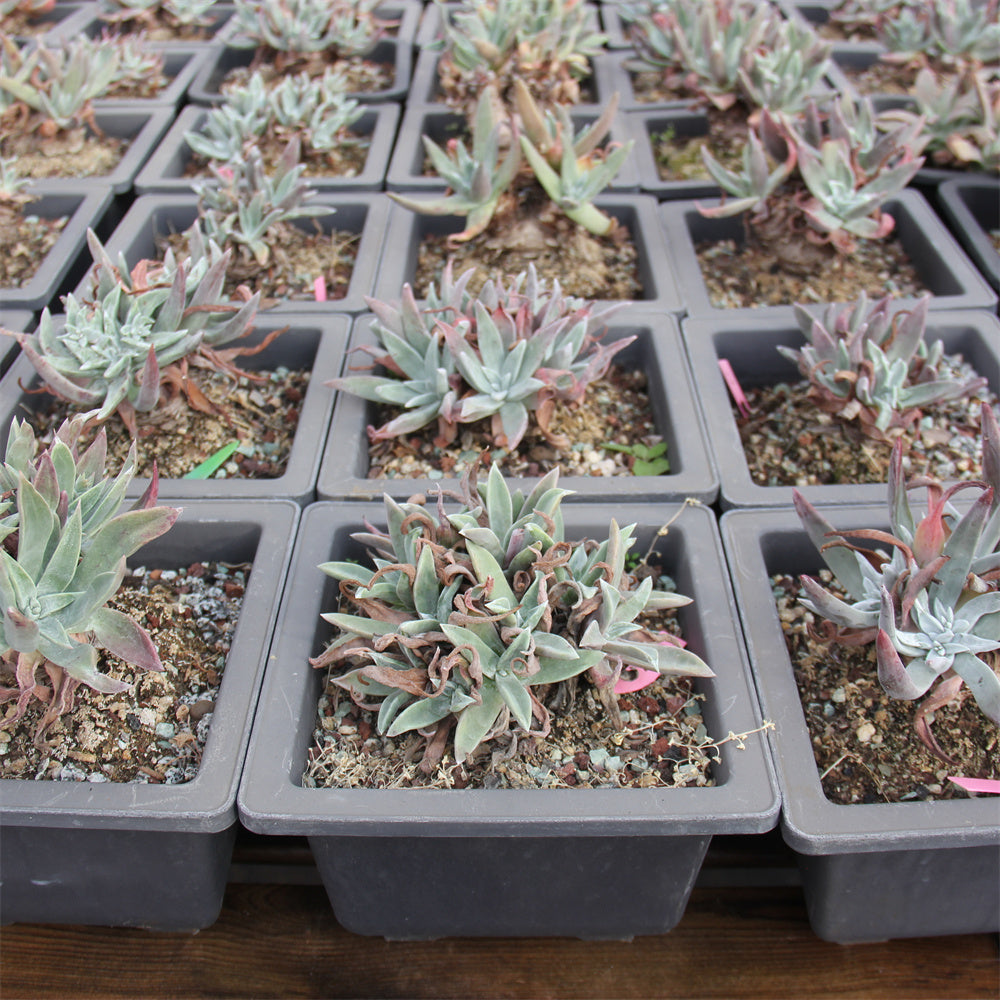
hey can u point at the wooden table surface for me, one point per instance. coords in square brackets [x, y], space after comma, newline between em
[744, 934]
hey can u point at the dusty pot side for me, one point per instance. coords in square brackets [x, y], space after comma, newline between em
[155, 856]
[523, 862]
[750, 346]
[658, 351]
[875, 871]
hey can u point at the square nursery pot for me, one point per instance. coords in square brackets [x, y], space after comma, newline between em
[363, 215]
[145, 855]
[426, 87]
[180, 66]
[644, 126]
[616, 72]
[82, 205]
[425, 863]
[93, 26]
[17, 321]
[406, 169]
[141, 128]
[405, 14]
[636, 212]
[940, 262]
[164, 171]
[223, 59]
[750, 346]
[657, 350]
[875, 871]
[429, 29]
[62, 21]
[314, 343]
[971, 208]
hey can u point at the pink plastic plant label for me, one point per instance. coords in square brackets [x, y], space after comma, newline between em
[319, 289]
[735, 389]
[643, 678]
[984, 786]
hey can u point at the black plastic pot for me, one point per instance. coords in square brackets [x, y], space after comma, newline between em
[92, 25]
[361, 214]
[84, 204]
[940, 262]
[686, 125]
[636, 212]
[155, 856]
[405, 13]
[204, 88]
[314, 343]
[750, 346]
[164, 171]
[971, 207]
[614, 74]
[63, 20]
[181, 64]
[426, 88]
[406, 169]
[425, 863]
[141, 129]
[875, 871]
[429, 28]
[657, 350]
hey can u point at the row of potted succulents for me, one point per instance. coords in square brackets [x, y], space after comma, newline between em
[450, 636]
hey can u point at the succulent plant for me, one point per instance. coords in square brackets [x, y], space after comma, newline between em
[866, 364]
[12, 184]
[545, 43]
[786, 69]
[572, 169]
[138, 68]
[480, 180]
[58, 83]
[870, 15]
[756, 182]
[477, 178]
[847, 175]
[467, 618]
[932, 607]
[31, 8]
[947, 33]
[957, 117]
[505, 354]
[315, 110]
[60, 567]
[179, 13]
[344, 28]
[318, 111]
[243, 208]
[729, 50]
[243, 116]
[113, 349]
